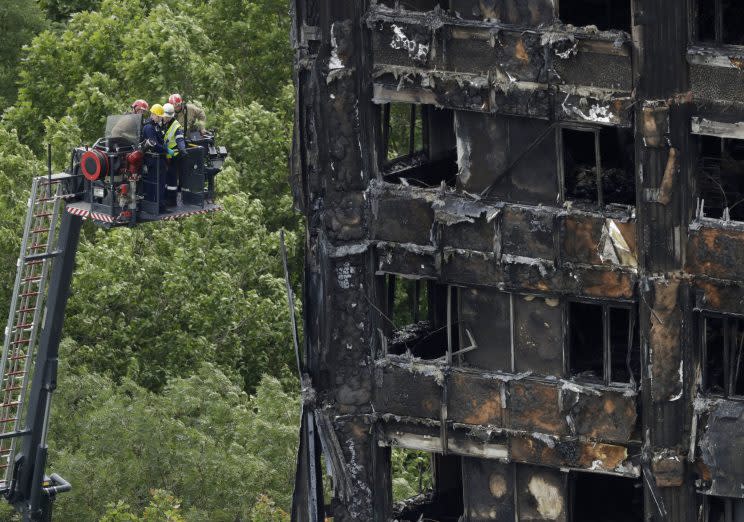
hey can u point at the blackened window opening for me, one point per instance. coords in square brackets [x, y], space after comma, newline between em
[580, 165]
[586, 341]
[618, 165]
[719, 21]
[605, 14]
[312, 12]
[720, 509]
[597, 497]
[722, 340]
[603, 343]
[415, 317]
[426, 486]
[721, 177]
[598, 166]
[417, 143]
[624, 342]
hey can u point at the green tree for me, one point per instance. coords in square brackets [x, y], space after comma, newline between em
[163, 507]
[203, 440]
[58, 62]
[170, 51]
[62, 135]
[253, 35]
[266, 510]
[17, 166]
[60, 10]
[154, 302]
[412, 473]
[168, 324]
[20, 20]
[259, 142]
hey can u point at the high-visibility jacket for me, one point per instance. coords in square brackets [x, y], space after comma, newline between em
[174, 140]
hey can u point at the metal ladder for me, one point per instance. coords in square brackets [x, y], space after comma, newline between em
[26, 315]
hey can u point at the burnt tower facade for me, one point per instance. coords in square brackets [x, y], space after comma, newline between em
[524, 258]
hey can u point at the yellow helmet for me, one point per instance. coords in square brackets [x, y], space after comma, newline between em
[157, 110]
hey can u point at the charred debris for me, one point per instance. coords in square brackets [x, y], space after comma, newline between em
[525, 234]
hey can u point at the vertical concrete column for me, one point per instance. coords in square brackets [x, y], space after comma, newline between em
[660, 40]
[329, 179]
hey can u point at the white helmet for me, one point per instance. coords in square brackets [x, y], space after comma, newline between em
[169, 111]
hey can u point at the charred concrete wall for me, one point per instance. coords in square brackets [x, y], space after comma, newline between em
[525, 226]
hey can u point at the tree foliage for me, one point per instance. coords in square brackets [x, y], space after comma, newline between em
[163, 507]
[60, 10]
[154, 302]
[222, 54]
[20, 20]
[171, 326]
[203, 441]
[17, 166]
[253, 35]
[412, 473]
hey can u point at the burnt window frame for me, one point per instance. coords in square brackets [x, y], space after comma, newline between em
[416, 110]
[728, 507]
[576, 486]
[718, 29]
[600, 205]
[468, 343]
[633, 326]
[427, 160]
[703, 317]
[629, 29]
[310, 12]
[386, 284]
[700, 170]
[443, 478]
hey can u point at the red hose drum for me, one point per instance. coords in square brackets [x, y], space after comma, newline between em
[94, 164]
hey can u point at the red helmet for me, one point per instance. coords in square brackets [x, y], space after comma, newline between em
[140, 105]
[175, 99]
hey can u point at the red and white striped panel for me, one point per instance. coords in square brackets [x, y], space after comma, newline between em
[78, 211]
[97, 216]
[105, 218]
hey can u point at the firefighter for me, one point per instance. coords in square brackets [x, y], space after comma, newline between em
[191, 117]
[157, 168]
[175, 149]
[125, 127]
[139, 107]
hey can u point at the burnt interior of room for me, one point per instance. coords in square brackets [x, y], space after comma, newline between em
[509, 158]
[720, 21]
[596, 497]
[309, 12]
[439, 483]
[603, 343]
[722, 342]
[605, 14]
[720, 509]
[721, 177]
[598, 166]
[409, 149]
[415, 317]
